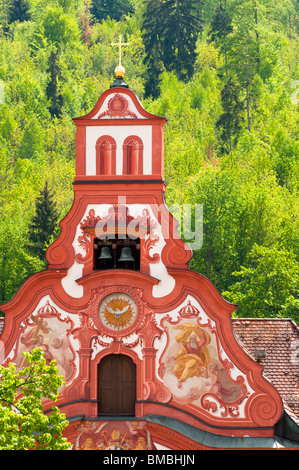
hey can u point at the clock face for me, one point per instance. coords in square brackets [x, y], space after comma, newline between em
[117, 311]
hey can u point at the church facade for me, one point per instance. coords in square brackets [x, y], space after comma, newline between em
[145, 345]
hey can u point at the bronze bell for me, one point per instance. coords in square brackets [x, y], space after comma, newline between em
[126, 254]
[105, 253]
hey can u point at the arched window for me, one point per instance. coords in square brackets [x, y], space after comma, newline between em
[133, 156]
[105, 156]
[116, 386]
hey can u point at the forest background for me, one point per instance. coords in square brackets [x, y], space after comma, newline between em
[225, 76]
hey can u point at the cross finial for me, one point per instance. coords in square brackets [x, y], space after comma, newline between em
[119, 44]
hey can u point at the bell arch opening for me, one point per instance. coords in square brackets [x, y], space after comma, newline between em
[121, 252]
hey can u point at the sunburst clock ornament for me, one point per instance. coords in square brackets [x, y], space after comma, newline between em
[117, 311]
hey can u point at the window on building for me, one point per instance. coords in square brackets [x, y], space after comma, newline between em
[105, 156]
[133, 156]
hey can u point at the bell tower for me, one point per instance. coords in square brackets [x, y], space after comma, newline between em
[118, 140]
[119, 219]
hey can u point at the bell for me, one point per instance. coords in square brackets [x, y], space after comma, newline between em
[105, 253]
[126, 254]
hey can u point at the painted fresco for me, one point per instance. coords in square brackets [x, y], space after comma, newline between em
[192, 367]
[117, 312]
[114, 435]
[48, 331]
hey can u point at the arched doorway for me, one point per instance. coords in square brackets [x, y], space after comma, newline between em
[116, 386]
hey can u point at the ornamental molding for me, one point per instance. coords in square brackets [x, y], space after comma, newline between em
[118, 220]
[109, 329]
[118, 106]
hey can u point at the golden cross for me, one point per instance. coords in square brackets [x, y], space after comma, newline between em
[119, 44]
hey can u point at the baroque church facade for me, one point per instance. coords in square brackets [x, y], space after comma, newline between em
[145, 345]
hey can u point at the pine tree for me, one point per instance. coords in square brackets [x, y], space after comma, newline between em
[152, 85]
[231, 119]
[151, 33]
[56, 99]
[19, 11]
[170, 32]
[114, 9]
[221, 26]
[44, 222]
[182, 24]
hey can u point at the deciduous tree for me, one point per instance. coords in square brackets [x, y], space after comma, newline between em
[23, 423]
[268, 286]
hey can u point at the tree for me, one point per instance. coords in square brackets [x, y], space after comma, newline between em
[221, 26]
[268, 286]
[16, 264]
[56, 99]
[23, 423]
[85, 23]
[19, 11]
[114, 9]
[44, 222]
[218, 191]
[60, 28]
[170, 32]
[242, 50]
[181, 26]
[151, 34]
[231, 119]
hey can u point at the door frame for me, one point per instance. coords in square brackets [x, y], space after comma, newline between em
[116, 361]
[116, 348]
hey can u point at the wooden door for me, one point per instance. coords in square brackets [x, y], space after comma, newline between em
[116, 386]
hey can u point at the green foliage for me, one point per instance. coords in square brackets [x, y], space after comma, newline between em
[152, 26]
[114, 9]
[23, 424]
[268, 286]
[60, 28]
[19, 11]
[56, 99]
[181, 24]
[44, 222]
[232, 116]
[16, 263]
[221, 24]
[170, 32]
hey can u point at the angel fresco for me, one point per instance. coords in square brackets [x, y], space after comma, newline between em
[115, 435]
[51, 335]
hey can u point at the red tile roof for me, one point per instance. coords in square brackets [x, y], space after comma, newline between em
[274, 343]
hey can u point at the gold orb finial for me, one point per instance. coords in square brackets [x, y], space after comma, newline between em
[119, 71]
